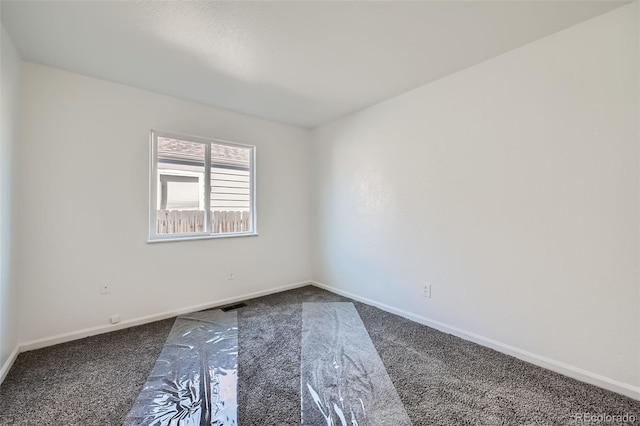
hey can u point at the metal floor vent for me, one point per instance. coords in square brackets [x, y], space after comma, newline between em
[232, 307]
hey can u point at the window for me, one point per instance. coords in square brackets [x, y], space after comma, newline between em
[200, 188]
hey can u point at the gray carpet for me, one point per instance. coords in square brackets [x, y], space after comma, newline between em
[441, 379]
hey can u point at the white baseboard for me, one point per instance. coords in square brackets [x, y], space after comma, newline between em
[541, 361]
[550, 364]
[92, 331]
[9, 363]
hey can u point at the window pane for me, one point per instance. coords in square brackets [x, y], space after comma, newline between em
[181, 195]
[180, 186]
[201, 187]
[230, 189]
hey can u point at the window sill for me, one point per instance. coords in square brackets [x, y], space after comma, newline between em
[201, 237]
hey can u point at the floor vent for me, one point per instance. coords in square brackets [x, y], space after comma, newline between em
[232, 307]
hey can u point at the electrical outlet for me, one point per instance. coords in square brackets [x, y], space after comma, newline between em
[231, 274]
[426, 290]
[105, 287]
[115, 319]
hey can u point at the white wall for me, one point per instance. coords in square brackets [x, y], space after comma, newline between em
[83, 180]
[512, 187]
[10, 73]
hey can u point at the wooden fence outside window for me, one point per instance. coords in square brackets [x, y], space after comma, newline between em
[192, 221]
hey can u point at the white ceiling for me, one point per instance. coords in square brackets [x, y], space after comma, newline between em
[303, 63]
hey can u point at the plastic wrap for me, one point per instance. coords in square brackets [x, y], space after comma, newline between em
[194, 381]
[343, 379]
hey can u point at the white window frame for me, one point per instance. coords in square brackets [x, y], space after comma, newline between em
[154, 237]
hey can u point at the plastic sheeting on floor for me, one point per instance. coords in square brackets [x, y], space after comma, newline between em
[194, 381]
[343, 379]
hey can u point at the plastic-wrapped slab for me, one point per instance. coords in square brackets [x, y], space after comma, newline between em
[343, 379]
[194, 381]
